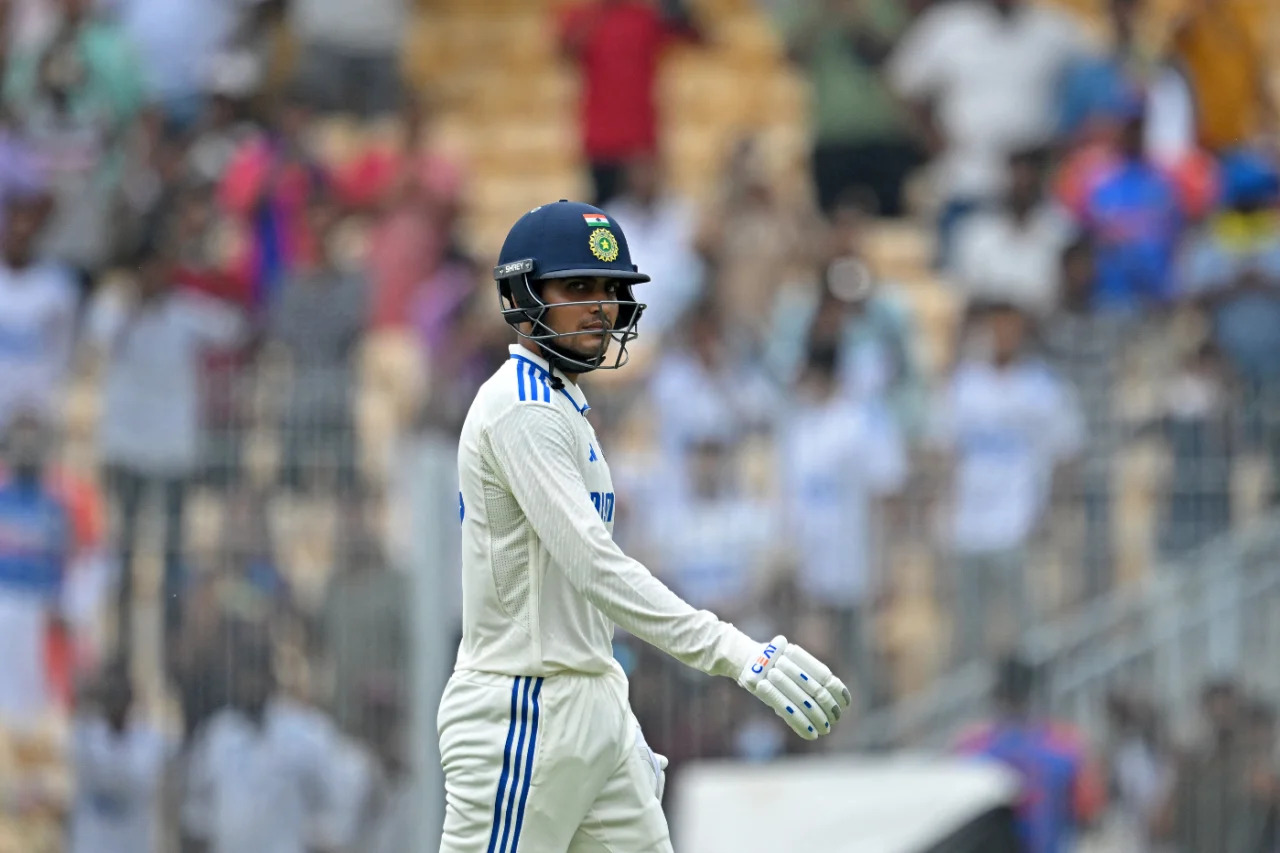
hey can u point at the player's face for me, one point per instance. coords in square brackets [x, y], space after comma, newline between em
[591, 312]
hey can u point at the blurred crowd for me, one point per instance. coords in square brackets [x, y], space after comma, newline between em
[201, 537]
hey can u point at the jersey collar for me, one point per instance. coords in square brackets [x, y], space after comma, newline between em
[577, 398]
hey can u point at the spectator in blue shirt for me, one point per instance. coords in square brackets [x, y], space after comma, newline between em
[1062, 791]
[35, 541]
[1134, 215]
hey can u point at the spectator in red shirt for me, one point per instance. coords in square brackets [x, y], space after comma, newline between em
[617, 44]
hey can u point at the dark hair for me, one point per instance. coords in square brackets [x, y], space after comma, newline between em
[1219, 688]
[822, 359]
[1081, 245]
[1260, 712]
[1015, 682]
[1035, 157]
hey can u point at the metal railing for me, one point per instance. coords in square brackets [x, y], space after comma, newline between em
[1215, 612]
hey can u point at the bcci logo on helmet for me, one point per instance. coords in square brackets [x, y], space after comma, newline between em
[603, 245]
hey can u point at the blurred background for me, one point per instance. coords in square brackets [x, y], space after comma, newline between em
[961, 367]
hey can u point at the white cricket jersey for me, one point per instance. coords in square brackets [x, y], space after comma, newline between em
[543, 583]
[118, 783]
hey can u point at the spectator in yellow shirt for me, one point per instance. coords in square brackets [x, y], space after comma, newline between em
[1218, 45]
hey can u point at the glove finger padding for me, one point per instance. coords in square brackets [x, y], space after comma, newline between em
[766, 692]
[820, 694]
[812, 667]
[804, 704]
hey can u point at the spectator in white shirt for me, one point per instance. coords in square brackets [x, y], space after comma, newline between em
[37, 315]
[714, 542]
[1008, 422]
[1012, 253]
[838, 458]
[178, 43]
[260, 773]
[702, 390]
[983, 76]
[119, 764]
[152, 341]
[662, 229]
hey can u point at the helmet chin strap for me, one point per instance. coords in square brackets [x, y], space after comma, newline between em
[566, 361]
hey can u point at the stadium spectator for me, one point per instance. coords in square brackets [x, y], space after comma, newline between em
[38, 303]
[35, 537]
[253, 588]
[201, 661]
[207, 267]
[73, 96]
[1012, 252]
[1086, 348]
[700, 390]
[152, 343]
[415, 192]
[385, 816]
[364, 628]
[1008, 423]
[1096, 88]
[265, 190]
[1063, 792]
[259, 773]
[838, 458]
[318, 320]
[1223, 799]
[119, 764]
[1135, 213]
[152, 178]
[223, 125]
[981, 77]
[618, 46]
[861, 138]
[1199, 426]
[661, 233]
[1140, 769]
[177, 43]
[1263, 775]
[461, 340]
[755, 243]
[350, 58]
[1232, 271]
[20, 165]
[716, 540]
[1218, 45]
[871, 329]
[1093, 86]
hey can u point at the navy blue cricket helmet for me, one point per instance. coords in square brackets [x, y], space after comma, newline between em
[567, 239]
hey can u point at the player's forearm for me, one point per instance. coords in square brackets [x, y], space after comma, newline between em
[643, 606]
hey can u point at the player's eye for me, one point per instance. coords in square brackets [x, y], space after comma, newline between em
[611, 290]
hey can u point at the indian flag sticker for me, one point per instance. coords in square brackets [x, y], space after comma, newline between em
[595, 220]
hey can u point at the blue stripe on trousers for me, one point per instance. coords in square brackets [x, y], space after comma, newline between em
[515, 771]
[506, 766]
[528, 765]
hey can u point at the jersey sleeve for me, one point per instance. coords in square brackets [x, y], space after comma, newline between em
[533, 447]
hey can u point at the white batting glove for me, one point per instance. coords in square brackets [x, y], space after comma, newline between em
[654, 760]
[797, 686]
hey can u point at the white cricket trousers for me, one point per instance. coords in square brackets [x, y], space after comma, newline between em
[545, 765]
